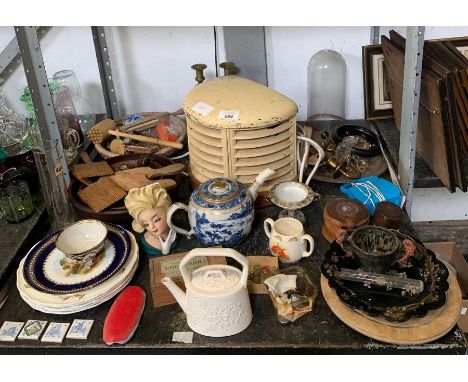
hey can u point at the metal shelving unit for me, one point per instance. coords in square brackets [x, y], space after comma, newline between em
[37, 79]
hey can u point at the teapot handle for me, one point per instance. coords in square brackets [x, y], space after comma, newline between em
[170, 212]
[227, 252]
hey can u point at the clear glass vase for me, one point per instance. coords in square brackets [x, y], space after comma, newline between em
[326, 88]
[83, 108]
[53, 184]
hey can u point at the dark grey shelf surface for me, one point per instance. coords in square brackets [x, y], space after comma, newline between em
[319, 332]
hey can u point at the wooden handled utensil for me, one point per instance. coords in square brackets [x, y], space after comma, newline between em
[172, 169]
[150, 173]
[129, 181]
[144, 138]
[101, 131]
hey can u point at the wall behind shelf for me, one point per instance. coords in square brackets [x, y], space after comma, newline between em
[151, 65]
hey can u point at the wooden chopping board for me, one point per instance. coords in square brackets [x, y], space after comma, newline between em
[412, 322]
[413, 335]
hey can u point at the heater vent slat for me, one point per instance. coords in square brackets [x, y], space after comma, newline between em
[262, 133]
[210, 165]
[285, 171]
[264, 159]
[255, 170]
[262, 151]
[205, 140]
[262, 142]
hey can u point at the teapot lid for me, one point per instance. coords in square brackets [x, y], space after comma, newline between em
[219, 193]
[215, 279]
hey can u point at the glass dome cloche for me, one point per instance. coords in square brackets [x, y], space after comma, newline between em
[326, 87]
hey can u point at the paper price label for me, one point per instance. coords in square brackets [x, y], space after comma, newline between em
[202, 108]
[185, 337]
[232, 115]
[463, 311]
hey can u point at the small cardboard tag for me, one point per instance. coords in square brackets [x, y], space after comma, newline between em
[202, 108]
[230, 115]
[185, 337]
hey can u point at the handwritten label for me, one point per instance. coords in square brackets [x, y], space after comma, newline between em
[185, 337]
[230, 115]
[463, 311]
[170, 268]
[202, 108]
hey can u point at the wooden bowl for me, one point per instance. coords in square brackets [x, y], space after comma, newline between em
[116, 213]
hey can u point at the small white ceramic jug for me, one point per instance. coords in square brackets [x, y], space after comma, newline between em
[288, 239]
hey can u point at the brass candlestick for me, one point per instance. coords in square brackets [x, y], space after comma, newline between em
[228, 67]
[199, 68]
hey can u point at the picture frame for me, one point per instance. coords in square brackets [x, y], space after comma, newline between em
[461, 43]
[377, 101]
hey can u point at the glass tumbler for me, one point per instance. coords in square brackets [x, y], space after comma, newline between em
[15, 201]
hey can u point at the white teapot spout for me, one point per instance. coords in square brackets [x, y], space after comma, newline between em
[259, 180]
[178, 293]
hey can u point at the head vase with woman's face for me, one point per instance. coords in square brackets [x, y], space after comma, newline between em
[148, 206]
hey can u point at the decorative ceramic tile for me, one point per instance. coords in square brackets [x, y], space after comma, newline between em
[80, 329]
[10, 330]
[55, 332]
[32, 330]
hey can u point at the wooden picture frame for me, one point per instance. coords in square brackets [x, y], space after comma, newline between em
[377, 101]
[461, 43]
[378, 104]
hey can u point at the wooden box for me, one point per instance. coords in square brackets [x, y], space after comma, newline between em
[162, 266]
[270, 261]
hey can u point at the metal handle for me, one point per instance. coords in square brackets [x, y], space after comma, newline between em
[72, 138]
[312, 245]
[226, 252]
[303, 163]
[170, 212]
[266, 224]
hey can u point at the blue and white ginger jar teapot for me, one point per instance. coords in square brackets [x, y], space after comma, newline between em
[220, 211]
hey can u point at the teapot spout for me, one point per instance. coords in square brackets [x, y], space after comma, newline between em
[259, 180]
[178, 293]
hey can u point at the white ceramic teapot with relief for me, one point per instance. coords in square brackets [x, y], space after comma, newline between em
[217, 301]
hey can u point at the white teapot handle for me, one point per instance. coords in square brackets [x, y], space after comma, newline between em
[170, 212]
[227, 252]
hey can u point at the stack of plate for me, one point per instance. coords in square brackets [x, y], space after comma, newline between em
[46, 286]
